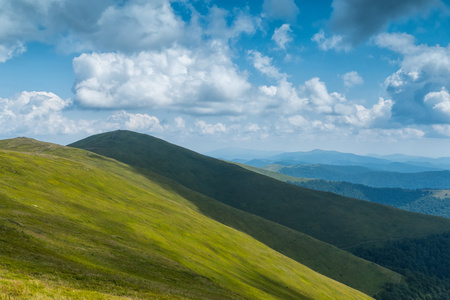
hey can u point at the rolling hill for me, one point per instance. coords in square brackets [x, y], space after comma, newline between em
[75, 224]
[340, 221]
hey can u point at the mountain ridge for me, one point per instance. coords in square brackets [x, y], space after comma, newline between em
[229, 184]
[76, 224]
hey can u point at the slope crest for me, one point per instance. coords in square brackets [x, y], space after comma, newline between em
[340, 221]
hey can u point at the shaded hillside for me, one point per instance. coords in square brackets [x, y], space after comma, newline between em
[337, 220]
[77, 225]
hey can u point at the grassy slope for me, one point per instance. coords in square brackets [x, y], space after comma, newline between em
[341, 221]
[77, 225]
[323, 258]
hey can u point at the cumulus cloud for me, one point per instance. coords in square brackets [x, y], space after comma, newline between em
[359, 116]
[180, 123]
[264, 65]
[352, 78]
[335, 42]
[318, 97]
[205, 128]
[281, 36]
[137, 25]
[357, 20]
[35, 113]
[218, 27]
[137, 122]
[439, 102]
[202, 82]
[419, 87]
[298, 121]
[43, 113]
[111, 25]
[442, 130]
[49, 20]
[89, 25]
[285, 10]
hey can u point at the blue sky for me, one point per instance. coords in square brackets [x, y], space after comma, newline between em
[349, 75]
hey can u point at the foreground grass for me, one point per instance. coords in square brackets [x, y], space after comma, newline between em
[79, 226]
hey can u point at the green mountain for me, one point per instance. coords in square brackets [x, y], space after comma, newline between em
[78, 225]
[340, 221]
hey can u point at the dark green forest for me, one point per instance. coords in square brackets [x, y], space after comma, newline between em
[424, 262]
[421, 201]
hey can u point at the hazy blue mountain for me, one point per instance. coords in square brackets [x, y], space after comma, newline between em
[394, 163]
[442, 162]
[365, 176]
[328, 157]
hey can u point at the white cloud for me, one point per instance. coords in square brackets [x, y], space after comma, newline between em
[205, 128]
[137, 122]
[290, 100]
[352, 78]
[110, 25]
[218, 27]
[180, 123]
[442, 129]
[89, 25]
[268, 90]
[424, 71]
[398, 42]
[42, 113]
[202, 82]
[376, 116]
[285, 10]
[264, 65]
[439, 101]
[281, 36]
[298, 121]
[335, 42]
[8, 52]
[34, 113]
[137, 25]
[319, 98]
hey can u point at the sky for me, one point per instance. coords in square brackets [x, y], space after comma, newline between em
[360, 76]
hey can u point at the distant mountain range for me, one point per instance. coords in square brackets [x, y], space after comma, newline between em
[389, 163]
[393, 171]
